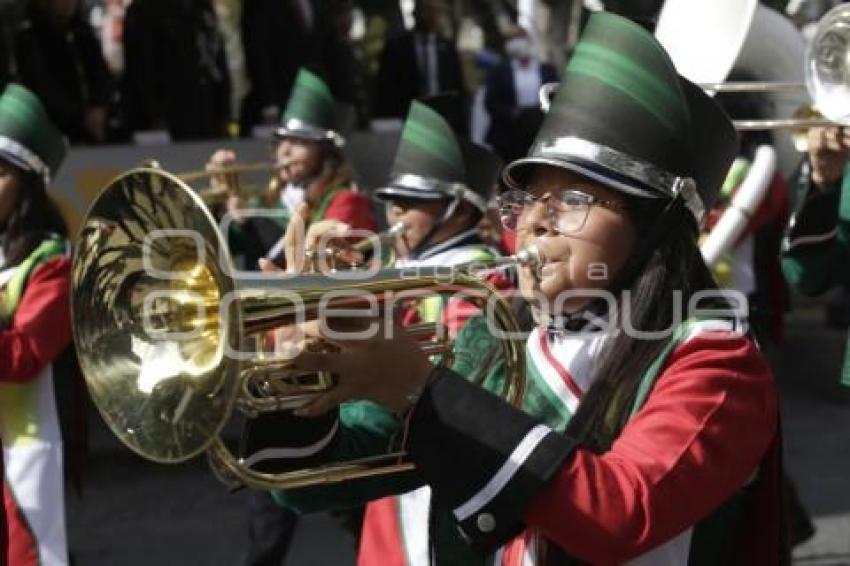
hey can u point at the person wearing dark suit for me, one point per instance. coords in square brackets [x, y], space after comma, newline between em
[278, 38]
[511, 99]
[416, 64]
[5, 58]
[60, 60]
[176, 75]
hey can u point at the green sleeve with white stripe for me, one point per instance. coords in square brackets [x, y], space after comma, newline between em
[813, 268]
[369, 430]
[365, 430]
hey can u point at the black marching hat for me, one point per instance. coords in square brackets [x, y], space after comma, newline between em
[431, 163]
[623, 117]
[311, 111]
[28, 138]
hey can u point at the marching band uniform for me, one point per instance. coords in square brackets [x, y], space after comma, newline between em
[697, 458]
[815, 251]
[387, 523]
[35, 328]
[309, 115]
[601, 507]
[467, 175]
[430, 165]
[692, 476]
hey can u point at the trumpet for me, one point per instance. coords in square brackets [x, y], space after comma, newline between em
[334, 258]
[235, 169]
[232, 182]
[217, 195]
[159, 320]
[827, 80]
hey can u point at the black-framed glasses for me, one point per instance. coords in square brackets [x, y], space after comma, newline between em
[567, 210]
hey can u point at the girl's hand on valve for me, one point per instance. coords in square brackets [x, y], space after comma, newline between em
[378, 362]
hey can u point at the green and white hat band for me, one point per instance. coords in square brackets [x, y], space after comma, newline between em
[27, 136]
[23, 157]
[624, 117]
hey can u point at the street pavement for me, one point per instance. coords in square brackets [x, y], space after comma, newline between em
[136, 513]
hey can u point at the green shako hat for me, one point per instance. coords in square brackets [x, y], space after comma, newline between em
[27, 136]
[623, 117]
[429, 162]
[311, 111]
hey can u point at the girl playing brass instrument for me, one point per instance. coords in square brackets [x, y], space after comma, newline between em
[648, 430]
[312, 169]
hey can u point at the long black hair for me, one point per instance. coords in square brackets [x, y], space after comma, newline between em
[34, 217]
[667, 259]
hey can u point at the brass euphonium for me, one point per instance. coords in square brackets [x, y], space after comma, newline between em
[160, 318]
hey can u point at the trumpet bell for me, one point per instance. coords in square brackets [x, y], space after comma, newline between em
[827, 70]
[147, 268]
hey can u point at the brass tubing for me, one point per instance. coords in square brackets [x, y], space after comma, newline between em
[235, 169]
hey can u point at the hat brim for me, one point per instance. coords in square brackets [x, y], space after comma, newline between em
[16, 161]
[310, 135]
[397, 192]
[517, 175]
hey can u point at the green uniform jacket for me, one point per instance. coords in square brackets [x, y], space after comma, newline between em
[816, 250]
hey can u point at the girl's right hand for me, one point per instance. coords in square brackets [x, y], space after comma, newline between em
[299, 240]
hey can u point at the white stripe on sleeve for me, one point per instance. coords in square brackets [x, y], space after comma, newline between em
[517, 458]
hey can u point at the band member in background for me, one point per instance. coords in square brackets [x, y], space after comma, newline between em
[816, 256]
[314, 182]
[60, 60]
[313, 170]
[35, 330]
[662, 446]
[752, 265]
[176, 76]
[439, 189]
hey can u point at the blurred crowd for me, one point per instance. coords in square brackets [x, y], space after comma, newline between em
[114, 71]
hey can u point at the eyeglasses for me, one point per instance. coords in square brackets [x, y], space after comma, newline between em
[566, 210]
